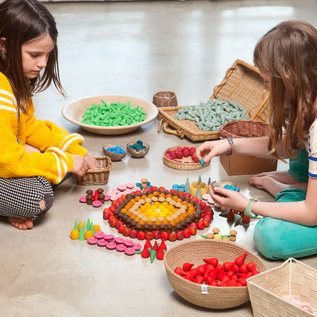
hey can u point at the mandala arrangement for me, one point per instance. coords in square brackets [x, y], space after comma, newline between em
[158, 213]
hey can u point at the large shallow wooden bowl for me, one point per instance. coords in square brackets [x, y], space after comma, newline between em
[75, 110]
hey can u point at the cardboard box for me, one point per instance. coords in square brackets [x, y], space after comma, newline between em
[237, 164]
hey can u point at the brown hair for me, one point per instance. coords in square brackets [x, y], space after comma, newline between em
[22, 21]
[288, 54]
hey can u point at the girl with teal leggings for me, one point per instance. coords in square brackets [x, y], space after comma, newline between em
[286, 57]
[279, 239]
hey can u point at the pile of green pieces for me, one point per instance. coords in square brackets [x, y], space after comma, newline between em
[113, 114]
[211, 115]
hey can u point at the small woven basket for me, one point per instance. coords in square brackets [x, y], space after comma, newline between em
[181, 165]
[114, 156]
[165, 99]
[140, 153]
[244, 128]
[294, 278]
[99, 175]
[194, 252]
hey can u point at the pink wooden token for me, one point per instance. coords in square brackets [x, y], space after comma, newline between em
[99, 235]
[137, 246]
[111, 245]
[92, 240]
[210, 201]
[96, 203]
[118, 240]
[130, 185]
[129, 251]
[121, 187]
[121, 247]
[205, 196]
[102, 242]
[128, 243]
[107, 197]
[109, 237]
[83, 199]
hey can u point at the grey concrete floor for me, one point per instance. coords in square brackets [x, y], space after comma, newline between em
[136, 49]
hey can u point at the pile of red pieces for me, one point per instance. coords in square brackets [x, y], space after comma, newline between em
[181, 152]
[191, 230]
[214, 274]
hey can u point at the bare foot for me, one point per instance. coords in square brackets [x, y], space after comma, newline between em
[21, 223]
[280, 176]
[267, 183]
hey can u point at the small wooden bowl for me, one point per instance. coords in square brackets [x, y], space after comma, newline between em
[138, 154]
[114, 156]
[222, 184]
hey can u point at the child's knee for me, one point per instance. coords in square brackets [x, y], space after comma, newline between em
[268, 238]
[47, 202]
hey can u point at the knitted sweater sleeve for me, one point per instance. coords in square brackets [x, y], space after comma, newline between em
[44, 134]
[53, 164]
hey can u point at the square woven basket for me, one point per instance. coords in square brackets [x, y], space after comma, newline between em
[266, 290]
[242, 83]
[98, 176]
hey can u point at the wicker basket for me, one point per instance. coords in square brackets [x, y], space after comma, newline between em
[294, 278]
[194, 252]
[181, 166]
[244, 128]
[242, 83]
[165, 99]
[114, 156]
[140, 153]
[99, 175]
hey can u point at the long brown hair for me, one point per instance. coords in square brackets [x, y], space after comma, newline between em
[20, 22]
[288, 54]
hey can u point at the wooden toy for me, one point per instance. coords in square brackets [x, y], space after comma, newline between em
[158, 213]
[95, 198]
[215, 234]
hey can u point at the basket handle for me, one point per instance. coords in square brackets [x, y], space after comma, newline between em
[172, 131]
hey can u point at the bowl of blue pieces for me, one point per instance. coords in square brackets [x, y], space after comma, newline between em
[115, 152]
[138, 149]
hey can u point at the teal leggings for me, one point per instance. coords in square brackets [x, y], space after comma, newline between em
[279, 239]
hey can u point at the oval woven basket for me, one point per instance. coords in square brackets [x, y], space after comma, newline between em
[165, 99]
[114, 156]
[194, 252]
[244, 128]
[138, 154]
[181, 165]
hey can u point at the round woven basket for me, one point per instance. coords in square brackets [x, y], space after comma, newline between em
[114, 156]
[194, 252]
[138, 154]
[165, 99]
[244, 128]
[181, 166]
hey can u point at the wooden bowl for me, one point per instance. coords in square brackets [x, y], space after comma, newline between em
[114, 156]
[138, 154]
[75, 110]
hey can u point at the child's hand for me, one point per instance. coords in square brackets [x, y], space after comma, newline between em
[212, 148]
[228, 198]
[80, 165]
[91, 161]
